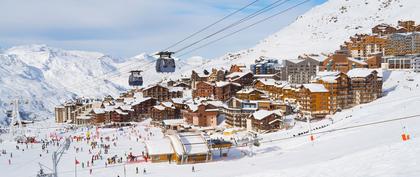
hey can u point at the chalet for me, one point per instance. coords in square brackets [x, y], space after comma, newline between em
[203, 90]
[214, 76]
[161, 93]
[142, 108]
[242, 78]
[340, 61]
[219, 90]
[265, 121]
[362, 46]
[290, 93]
[163, 111]
[250, 94]
[236, 112]
[366, 85]
[202, 115]
[273, 87]
[99, 116]
[237, 68]
[383, 29]
[338, 85]
[225, 90]
[313, 100]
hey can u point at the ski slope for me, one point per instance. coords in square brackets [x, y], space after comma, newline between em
[368, 150]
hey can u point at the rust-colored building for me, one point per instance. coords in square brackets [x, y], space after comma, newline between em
[218, 90]
[164, 111]
[202, 115]
[243, 78]
[266, 121]
[250, 94]
[313, 100]
[342, 62]
[366, 85]
[338, 85]
[161, 93]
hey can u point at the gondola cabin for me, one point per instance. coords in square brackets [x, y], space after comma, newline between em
[135, 78]
[165, 63]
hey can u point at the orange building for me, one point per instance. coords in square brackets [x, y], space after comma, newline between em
[313, 100]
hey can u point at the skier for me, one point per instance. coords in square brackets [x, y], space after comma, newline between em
[137, 170]
[144, 171]
[193, 170]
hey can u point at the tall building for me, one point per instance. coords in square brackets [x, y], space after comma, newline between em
[299, 71]
[403, 44]
[264, 66]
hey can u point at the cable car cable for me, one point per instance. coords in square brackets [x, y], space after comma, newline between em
[244, 28]
[209, 26]
[254, 14]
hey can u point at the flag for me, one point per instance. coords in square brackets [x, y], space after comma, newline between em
[76, 161]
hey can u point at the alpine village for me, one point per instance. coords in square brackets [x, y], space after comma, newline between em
[269, 95]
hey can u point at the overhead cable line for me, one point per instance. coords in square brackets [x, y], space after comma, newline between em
[249, 17]
[209, 26]
[244, 28]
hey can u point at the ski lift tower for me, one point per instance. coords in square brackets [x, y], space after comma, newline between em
[15, 119]
[56, 157]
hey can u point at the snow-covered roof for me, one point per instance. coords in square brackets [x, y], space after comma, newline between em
[189, 143]
[357, 61]
[315, 87]
[173, 121]
[193, 143]
[247, 90]
[216, 103]
[167, 104]
[178, 100]
[159, 146]
[126, 107]
[328, 76]
[140, 100]
[224, 83]
[193, 107]
[120, 112]
[98, 110]
[237, 74]
[159, 107]
[175, 89]
[360, 72]
[261, 114]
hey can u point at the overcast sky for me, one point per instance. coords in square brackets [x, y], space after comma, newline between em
[125, 28]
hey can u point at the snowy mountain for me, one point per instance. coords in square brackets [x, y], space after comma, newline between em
[45, 76]
[325, 27]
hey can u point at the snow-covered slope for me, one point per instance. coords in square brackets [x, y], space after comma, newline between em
[325, 27]
[47, 76]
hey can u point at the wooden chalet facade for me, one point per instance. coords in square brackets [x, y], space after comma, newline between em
[202, 115]
[340, 61]
[366, 85]
[164, 111]
[313, 100]
[266, 121]
[218, 90]
[242, 78]
[250, 94]
[339, 86]
[161, 93]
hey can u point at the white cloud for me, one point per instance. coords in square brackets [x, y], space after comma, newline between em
[125, 27]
